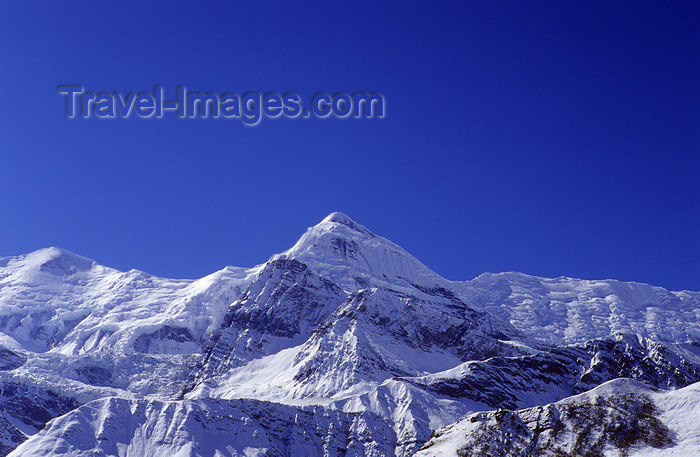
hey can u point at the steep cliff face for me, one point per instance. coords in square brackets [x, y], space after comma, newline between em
[343, 345]
[279, 310]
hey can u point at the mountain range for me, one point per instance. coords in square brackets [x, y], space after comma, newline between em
[343, 345]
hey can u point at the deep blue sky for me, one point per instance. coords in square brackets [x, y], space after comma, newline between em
[552, 138]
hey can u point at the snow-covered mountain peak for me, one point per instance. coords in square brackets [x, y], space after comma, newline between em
[336, 224]
[58, 257]
[48, 264]
[342, 218]
[355, 258]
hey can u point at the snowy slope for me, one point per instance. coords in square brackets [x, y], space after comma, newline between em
[74, 331]
[241, 428]
[53, 299]
[566, 310]
[353, 257]
[621, 417]
[334, 341]
[73, 318]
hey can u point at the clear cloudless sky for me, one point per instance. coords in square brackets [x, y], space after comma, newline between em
[552, 138]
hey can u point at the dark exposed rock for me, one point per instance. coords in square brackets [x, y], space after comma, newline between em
[166, 333]
[97, 376]
[9, 360]
[32, 405]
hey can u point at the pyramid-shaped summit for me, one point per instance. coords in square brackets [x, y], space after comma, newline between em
[344, 219]
[355, 258]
